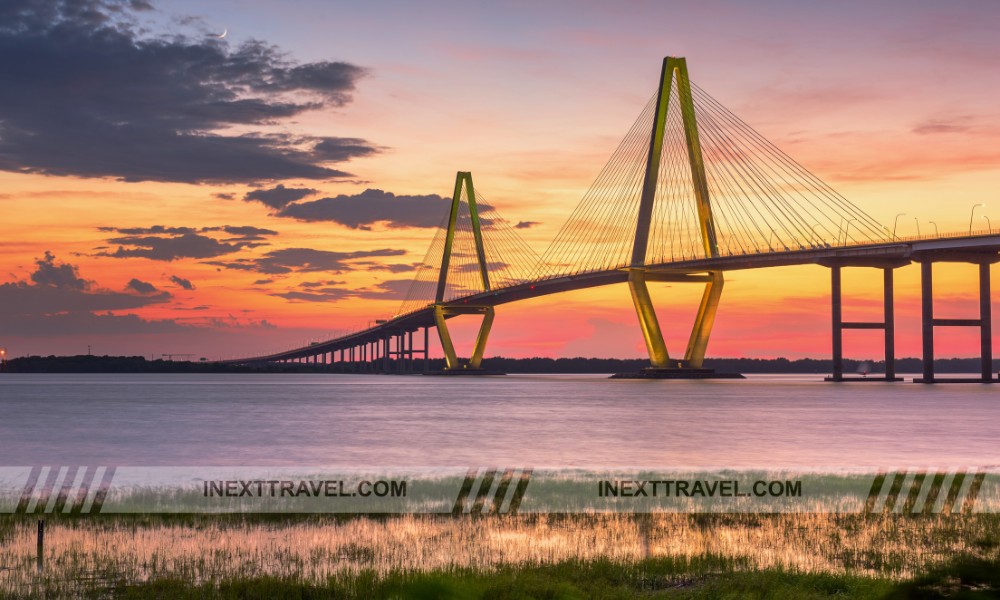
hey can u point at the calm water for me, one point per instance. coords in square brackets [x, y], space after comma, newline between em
[555, 420]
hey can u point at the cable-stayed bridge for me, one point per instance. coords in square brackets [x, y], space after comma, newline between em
[690, 193]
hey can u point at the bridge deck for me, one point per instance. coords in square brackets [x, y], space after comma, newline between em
[976, 248]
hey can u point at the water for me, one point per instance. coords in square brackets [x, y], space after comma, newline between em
[518, 420]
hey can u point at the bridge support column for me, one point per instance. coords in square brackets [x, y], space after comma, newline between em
[984, 322]
[427, 351]
[838, 324]
[887, 325]
[409, 358]
[704, 320]
[889, 316]
[452, 363]
[694, 355]
[659, 358]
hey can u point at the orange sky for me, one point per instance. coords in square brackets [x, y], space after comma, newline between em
[898, 114]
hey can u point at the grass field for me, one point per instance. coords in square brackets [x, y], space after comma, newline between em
[545, 556]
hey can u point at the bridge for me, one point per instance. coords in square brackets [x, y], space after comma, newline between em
[691, 193]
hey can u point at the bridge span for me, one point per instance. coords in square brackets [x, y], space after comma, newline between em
[691, 193]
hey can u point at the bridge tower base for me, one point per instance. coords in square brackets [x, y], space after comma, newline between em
[662, 366]
[453, 366]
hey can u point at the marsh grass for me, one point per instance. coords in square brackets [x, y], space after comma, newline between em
[560, 555]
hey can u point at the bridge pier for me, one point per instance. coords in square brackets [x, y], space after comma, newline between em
[409, 358]
[662, 366]
[453, 365]
[984, 322]
[427, 353]
[887, 325]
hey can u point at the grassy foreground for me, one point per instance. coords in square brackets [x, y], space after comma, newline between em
[963, 578]
[544, 556]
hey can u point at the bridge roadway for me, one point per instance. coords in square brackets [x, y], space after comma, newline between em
[958, 248]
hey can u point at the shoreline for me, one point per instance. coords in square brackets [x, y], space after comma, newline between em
[776, 366]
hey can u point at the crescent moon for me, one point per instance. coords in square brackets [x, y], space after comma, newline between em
[223, 34]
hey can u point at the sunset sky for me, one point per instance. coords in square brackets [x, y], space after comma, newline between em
[167, 190]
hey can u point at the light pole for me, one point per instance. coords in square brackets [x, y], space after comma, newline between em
[917, 221]
[894, 223]
[989, 226]
[935, 229]
[972, 214]
[847, 228]
[819, 237]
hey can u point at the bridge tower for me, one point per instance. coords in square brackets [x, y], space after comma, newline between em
[674, 73]
[442, 312]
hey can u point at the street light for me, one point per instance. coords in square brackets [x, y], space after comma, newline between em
[972, 214]
[819, 236]
[847, 228]
[917, 221]
[989, 226]
[894, 224]
[935, 228]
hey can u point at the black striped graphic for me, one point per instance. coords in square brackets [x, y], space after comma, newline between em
[494, 493]
[924, 492]
[65, 489]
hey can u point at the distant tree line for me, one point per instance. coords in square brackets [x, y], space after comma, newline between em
[139, 364]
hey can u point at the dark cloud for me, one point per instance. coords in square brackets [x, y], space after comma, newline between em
[263, 281]
[224, 196]
[184, 283]
[391, 268]
[85, 94]
[244, 233]
[141, 287]
[99, 325]
[526, 224]
[57, 288]
[304, 260]
[62, 276]
[155, 230]
[233, 322]
[316, 295]
[361, 211]
[188, 245]
[279, 196]
[394, 289]
[315, 284]
[335, 149]
[945, 125]
[171, 243]
[22, 299]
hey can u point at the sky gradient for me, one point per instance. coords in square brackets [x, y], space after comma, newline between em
[164, 190]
